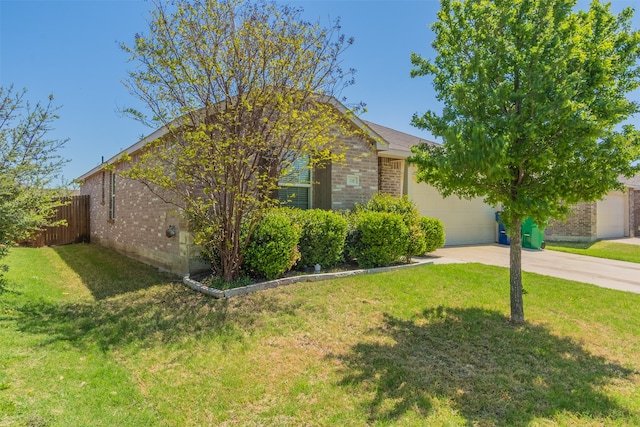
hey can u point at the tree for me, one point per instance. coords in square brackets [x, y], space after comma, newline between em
[28, 164]
[534, 92]
[240, 90]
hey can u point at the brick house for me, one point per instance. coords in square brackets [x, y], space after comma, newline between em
[616, 215]
[465, 221]
[126, 216]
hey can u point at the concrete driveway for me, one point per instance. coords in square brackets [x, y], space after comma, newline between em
[627, 240]
[623, 276]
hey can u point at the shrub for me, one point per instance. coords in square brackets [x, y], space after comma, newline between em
[404, 207]
[416, 244]
[379, 238]
[322, 239]
[272, 248]
[352, 235]
[433, 230]
[382, 202]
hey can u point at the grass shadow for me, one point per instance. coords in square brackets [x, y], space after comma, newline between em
[107, 273]
[134, 305]
[489, 371]
[573, 245]
[156, 316]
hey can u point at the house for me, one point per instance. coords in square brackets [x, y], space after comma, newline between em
[126, 216]
[616, 215]
[465, 221]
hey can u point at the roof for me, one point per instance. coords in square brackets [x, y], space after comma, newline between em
[399, 143]
[633, 182]
[389, 142]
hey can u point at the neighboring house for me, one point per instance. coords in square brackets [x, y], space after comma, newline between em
[616, 215]
[126, 216]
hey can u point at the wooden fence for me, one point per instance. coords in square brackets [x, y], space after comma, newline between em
[76, 212]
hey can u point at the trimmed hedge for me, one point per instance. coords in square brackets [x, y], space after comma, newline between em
[378, 239]
[372, 235]
[322, 238]
[403, 206]
[433, 230]
[272, 249]
[383, 202]
[417, 244]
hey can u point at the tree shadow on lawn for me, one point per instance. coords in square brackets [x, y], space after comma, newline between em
[489, 371]
[155, 316]
[573, 245]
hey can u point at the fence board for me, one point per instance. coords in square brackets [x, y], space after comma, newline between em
[76, 212]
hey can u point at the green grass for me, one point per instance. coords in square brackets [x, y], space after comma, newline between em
[600, 249]
[90, 338]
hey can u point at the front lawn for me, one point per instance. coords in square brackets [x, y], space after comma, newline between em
[600, 249]
[90, 338]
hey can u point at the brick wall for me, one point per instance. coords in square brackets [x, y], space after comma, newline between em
[579, 226]
[141, 220]
[361, 163]
[390, 176]
[141, 217]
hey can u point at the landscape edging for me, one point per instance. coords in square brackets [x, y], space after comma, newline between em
[217, 293]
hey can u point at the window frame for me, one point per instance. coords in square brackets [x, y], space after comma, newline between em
[112, 196]
[102, 200]
[299, 184]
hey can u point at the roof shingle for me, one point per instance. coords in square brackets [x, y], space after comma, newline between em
[397, 140]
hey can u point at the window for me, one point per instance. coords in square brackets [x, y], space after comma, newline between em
[103, 188]
[112, 195]
[295, 186]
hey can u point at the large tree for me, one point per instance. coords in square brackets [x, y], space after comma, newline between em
[534, 92]
[240, 89]
[28, 165]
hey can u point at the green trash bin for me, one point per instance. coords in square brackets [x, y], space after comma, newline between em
[532, 236]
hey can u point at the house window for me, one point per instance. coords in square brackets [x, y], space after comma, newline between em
[112, 195]
[295, 185]
[103, 188]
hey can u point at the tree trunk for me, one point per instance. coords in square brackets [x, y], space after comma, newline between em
[515, 272]
[229, 255]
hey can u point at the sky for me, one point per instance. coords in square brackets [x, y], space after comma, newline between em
[71, 49]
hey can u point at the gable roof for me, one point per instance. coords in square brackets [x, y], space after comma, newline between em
[389, 142]
[158, 133]
[633, 182]
[398, 143]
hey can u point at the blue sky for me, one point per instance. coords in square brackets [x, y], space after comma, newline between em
[71, 48]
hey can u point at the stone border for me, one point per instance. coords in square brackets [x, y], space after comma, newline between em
[217, 293]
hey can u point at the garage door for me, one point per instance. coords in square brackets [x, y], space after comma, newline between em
[465, 221]
[612, 216]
